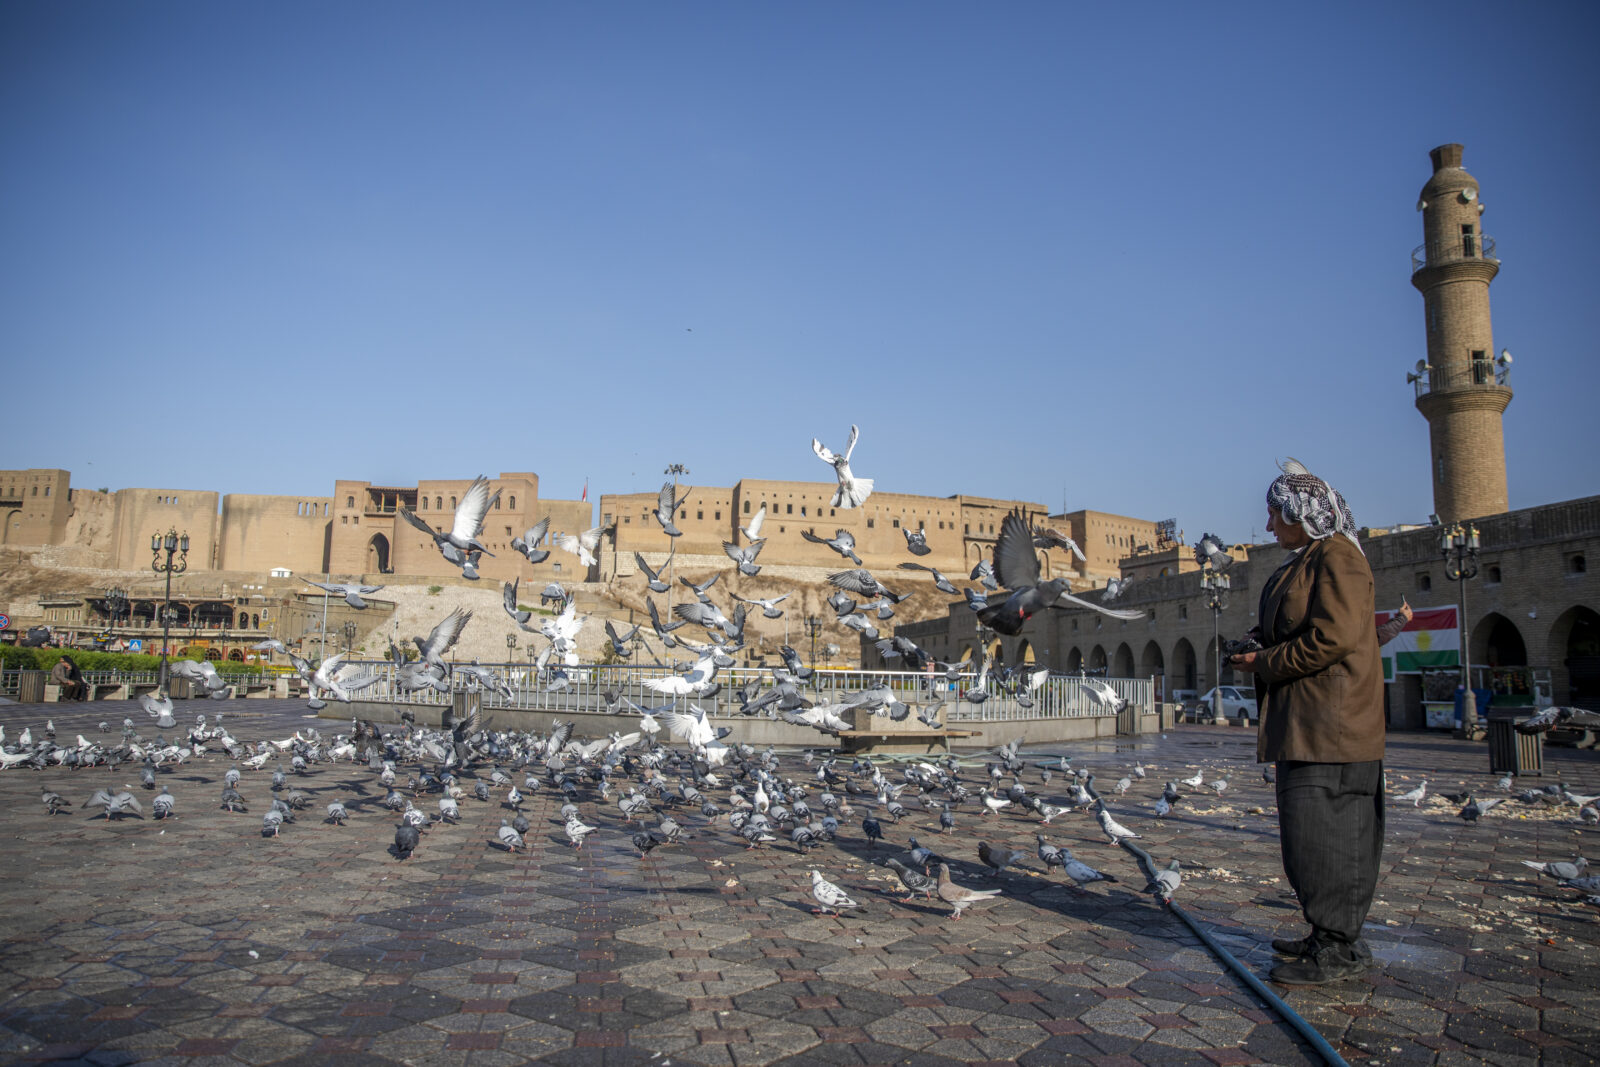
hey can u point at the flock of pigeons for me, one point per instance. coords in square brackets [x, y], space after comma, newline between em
[1010, 590]
[753, 796]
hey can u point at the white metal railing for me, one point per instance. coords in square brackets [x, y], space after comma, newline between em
[1060, 697]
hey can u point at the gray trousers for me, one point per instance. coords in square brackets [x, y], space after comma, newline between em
[1330, 829]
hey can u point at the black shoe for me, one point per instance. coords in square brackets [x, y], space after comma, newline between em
[1300, 946]
[1330, 963]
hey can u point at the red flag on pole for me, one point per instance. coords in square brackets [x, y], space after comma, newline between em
[585, 490]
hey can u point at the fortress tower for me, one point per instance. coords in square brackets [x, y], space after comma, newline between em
[1462, 388]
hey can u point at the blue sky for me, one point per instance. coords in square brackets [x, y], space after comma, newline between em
[1108, 256]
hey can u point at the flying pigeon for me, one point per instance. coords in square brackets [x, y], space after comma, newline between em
[1053, 538]
[670, 499]
[653, 577]
[745, 556]
[508, 595]
[528, 543]
[752, 532]
[842, 542]
[916, 541]
[1209, 550]
[769, 606]
[441, 639]
[461, 541]
[852, 491]
[940, 582]
[583, 545]
[1016, 566]
[351, 591]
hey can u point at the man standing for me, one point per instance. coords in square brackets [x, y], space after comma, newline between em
[1319, 685]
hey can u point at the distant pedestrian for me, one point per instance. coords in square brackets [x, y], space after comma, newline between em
[66, 675]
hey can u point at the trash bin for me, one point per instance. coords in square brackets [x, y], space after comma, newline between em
[177, 687]
[30, 687]
[464, 704]
[1511, 752]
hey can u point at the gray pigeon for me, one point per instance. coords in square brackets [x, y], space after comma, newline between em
[351, 591]
[842, 542]
[828, 896]
[528, 543]
[914, 881]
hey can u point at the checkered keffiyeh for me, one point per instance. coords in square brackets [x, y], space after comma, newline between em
[1303, 498]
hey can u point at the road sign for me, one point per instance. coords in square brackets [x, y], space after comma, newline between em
[5, 622]
[135, 645]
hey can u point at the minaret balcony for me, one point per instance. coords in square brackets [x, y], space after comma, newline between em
[1473, 375]
[1466, 247]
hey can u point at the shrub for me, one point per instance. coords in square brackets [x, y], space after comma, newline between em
[435, 590]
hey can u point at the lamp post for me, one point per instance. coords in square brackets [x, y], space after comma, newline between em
[172, 544]
[511, 648]
[813, 628]
[674, 469]
[349, 635]
[1215, 587]
[116, 607]
[1459, 546]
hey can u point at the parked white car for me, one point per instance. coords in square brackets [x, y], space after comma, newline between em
[1237, 703]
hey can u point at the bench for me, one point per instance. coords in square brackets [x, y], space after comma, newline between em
[900, 741]
[104, 690]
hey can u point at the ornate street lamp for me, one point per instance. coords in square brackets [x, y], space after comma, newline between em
[116, 607]
[349, 635]
[511, 647]
[813, 627]
[173, 545]
[1459, 546]
[1215, 587]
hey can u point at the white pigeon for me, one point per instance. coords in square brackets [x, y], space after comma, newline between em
[829, 896]
[159, 709]
[700, 678]
[1197, 781]
[1415, 795]
[583, 545]
[752, 532]
[1115, 831]
[852, 491]
[351, 591]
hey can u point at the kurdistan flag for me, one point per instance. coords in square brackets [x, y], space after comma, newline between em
[1430, 641]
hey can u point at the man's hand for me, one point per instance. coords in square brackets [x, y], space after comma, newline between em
[1245, 661]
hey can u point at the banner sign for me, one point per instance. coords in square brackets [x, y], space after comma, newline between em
[1430, 641]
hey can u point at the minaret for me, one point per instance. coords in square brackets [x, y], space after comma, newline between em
[1462, 388]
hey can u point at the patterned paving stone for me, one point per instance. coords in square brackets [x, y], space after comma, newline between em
[318, 945]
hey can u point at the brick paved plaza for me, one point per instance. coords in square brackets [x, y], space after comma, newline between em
[199, 939]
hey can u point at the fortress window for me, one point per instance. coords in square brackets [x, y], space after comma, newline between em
[1424, 583]
[1183, 611]
[788, 509]
[349, 501]
[717, 515]
[1577, 565]
[47, 490]
[344, 520]
[871, 523]
[699, 514]
[355, 520]
[1494, 576]
[895, 523]
[513, 503]
[497, 503]
[747, 507]
[802, 510]
[35, 491]
[627, 520]
[438, 503]
[1469, 239]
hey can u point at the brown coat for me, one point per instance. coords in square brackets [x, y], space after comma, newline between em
[1320, 687]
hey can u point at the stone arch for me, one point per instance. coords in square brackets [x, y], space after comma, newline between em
[378, 554]
[214, 654]
[1185, 674]
[1122, 662]
[236, 655]
[1025, 652]
[1575, 645]
[1496, 642]
[1151, 665]
[13, 522]
[1075, 660]
[1097, 658]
